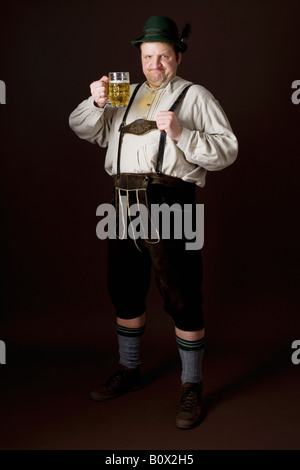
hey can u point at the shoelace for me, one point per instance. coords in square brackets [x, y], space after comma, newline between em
[189, 399]
[115, 378]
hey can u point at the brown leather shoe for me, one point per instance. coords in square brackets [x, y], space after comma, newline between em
[190, 410]
[122, 381]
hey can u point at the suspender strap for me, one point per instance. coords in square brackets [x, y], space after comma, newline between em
[162, 140]
[123, 124]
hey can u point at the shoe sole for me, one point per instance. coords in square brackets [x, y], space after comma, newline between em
[94, 396]
[186, 424]
[183, 425]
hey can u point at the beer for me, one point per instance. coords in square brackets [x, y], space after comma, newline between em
[119, 93]
[119, 88]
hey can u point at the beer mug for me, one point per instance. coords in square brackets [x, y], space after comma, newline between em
[118, 88]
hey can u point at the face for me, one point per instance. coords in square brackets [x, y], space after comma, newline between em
[159, 62]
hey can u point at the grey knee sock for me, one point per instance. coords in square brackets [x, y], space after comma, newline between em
[130, 340]
[191, 354]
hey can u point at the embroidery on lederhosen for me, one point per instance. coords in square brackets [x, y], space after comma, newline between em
[140, 127]
[123, 196]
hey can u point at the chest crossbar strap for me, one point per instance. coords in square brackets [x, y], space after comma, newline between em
[162, 140]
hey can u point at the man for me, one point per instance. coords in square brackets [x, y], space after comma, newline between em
[162, 161]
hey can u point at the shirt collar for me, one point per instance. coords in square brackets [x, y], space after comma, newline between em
[169, 86]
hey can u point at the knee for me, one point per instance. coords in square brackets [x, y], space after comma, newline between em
[186, 317]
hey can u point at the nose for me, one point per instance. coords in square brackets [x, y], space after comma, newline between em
[156, 62]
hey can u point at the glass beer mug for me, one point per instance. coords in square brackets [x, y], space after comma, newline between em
[119, 88]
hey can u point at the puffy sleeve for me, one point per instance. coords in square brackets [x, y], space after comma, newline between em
[208, 140]
[92, 123]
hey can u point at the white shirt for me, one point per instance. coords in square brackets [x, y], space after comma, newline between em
[207, 141]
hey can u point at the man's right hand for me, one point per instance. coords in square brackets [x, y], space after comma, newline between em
[99, 91]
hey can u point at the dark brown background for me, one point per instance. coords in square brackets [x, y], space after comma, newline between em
[56, 318]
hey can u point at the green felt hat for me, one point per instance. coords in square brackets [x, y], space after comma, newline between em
[162, 29]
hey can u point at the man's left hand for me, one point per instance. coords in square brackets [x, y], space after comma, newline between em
[167, 121]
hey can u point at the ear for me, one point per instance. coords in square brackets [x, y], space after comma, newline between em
[179, 57]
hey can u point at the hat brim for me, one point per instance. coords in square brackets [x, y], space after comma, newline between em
[158, 38]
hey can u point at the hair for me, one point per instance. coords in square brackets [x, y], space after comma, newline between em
[176, 50]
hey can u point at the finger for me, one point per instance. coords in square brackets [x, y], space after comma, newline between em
[103, 82]
[160, 122]
[164, 114]
[99, 91]
[161, 126]
[104, 79]
[101, 102]
[98, 84]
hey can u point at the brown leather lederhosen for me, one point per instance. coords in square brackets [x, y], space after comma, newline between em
[178, 272]
[128, 183]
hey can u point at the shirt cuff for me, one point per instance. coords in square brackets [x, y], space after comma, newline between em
[96, 111]
[184, 141]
